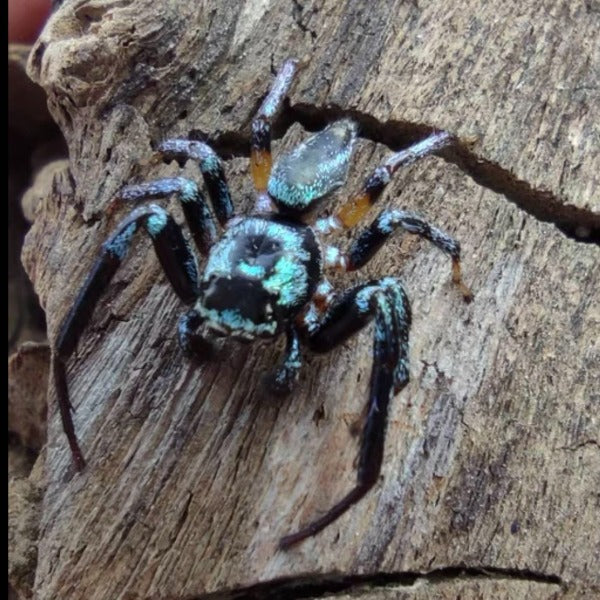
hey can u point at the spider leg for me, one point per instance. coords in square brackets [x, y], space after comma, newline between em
[260, 158]
[386, 301]
[196, 212]
[356, 208]
[178, 263]
[281, 381]
[192, 344]
[210, 167]
[371, 239]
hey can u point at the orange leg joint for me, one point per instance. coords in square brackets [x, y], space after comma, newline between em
[260, 167]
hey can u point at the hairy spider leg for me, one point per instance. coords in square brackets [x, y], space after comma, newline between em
[196, 211]
[211, 168]
[357, 207]
[194, 346]
[386, 301]
[178, 263]
[372, 238]
[281, 381]
[260, 157]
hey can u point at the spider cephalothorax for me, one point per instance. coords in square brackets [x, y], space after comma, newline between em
[266, 273]
[258, 276]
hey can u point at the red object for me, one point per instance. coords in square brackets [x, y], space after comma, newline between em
[26, 19]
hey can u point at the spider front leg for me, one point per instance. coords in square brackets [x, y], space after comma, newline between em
[357, 207]
[281, 381]
[260, 157]
[388, 221]
[178, 263]
[194, 346]
[386, 301]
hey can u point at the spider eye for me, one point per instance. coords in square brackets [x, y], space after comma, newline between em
[261, 245]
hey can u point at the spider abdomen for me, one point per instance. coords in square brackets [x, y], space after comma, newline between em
[258, 276]
[313, 169]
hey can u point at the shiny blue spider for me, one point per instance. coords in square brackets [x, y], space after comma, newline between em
[265, 275]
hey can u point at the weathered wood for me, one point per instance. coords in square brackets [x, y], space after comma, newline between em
[27, 377]
[33, 138]
[492, 458]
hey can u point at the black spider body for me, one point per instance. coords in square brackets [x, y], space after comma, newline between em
[266, 274]
[259, 276]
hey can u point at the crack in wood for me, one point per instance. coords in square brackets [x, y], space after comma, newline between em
[577, 223]
[296, 588]
[580, 445]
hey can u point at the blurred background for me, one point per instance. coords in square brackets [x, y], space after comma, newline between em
[33, 141]
[36, 148]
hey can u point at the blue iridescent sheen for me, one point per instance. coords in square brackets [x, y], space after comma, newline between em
[400, 306]
[278, 90]
[265, 275]
[289, 280]
[372, 238]
[261, 272]
[195, 209]
[156, 223]
[313, 169]
[282, 379]
[119, 244]
[233, 323]
[210, 167]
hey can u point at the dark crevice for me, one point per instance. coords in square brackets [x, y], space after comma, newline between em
[580, 445]
[295, 588]
[297, 10]
[575, 222]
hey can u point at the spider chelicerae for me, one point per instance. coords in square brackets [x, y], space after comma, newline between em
[265, 275]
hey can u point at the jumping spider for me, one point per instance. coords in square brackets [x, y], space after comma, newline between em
[265, 275]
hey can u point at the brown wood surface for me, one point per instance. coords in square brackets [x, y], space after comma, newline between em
[492, 467]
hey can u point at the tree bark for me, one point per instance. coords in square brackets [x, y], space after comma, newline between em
[492, 461]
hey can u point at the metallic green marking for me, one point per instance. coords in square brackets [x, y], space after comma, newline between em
[156, 223]
[252, 271]
[314, 168]
[288, 281]
[232, 320]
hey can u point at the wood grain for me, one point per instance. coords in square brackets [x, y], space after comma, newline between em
[492, 457]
